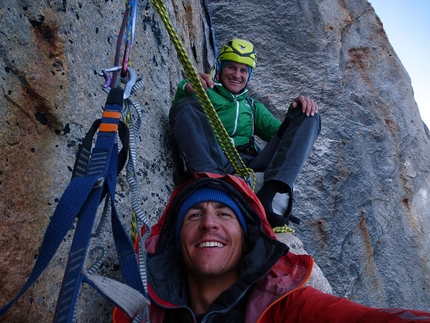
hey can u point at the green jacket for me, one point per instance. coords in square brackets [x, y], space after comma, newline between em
[235, 113]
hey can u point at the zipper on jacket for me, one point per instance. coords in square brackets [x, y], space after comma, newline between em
[169, 306]
[204, 319]
[242, 295]
[173, 307]
[236, 119]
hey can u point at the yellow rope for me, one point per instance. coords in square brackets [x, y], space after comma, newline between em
[283, 229]
[216, 124]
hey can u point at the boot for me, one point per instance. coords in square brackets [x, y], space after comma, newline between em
[275, 196]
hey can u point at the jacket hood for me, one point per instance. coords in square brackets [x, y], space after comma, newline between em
[166, 274]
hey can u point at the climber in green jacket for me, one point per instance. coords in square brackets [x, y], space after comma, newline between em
[289, 143]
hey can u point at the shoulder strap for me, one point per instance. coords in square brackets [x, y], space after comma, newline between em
[251, 102]
[255, 143]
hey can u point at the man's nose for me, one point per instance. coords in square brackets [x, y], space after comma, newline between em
[209, 220]
[237, 73]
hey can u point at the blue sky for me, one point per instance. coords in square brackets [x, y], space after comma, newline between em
[407, 24]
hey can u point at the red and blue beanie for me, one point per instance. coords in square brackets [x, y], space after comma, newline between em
[206, 194]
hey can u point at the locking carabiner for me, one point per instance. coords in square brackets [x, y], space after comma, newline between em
[129, 79]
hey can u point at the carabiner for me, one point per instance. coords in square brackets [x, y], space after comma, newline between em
[129, 80]
[131, 74]
[105, 73]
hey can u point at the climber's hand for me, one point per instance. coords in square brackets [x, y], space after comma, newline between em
[308, 106]
[206, 81]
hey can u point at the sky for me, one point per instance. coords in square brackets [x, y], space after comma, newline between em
[407, 25]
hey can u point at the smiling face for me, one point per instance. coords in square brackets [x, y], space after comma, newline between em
[234, 77]
[211, 241]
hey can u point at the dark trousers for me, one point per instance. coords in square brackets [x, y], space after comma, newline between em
[281, 159]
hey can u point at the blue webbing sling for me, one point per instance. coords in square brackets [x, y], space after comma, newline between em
[94, 177]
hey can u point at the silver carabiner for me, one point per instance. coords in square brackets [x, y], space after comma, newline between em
[131, 75]
[129, 81]
[108, 80]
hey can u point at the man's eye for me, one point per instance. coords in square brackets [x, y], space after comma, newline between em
[226, 214]
[194, 215]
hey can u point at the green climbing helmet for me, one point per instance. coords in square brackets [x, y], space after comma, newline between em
[239, 51]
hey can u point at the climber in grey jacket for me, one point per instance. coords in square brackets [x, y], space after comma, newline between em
[289, 142]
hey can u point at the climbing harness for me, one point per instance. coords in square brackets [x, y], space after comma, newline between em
[217, 126]
[94, 180]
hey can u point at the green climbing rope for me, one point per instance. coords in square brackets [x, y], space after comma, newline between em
[283, 229]
[216, 124]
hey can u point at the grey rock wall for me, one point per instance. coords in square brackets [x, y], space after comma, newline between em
[51, 53]
[362, 195]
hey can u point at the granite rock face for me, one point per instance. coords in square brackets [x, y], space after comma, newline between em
[51, 54]
[362, 195]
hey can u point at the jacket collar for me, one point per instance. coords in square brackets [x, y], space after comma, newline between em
[227, 94]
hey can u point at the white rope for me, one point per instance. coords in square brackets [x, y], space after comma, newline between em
[133, 114]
